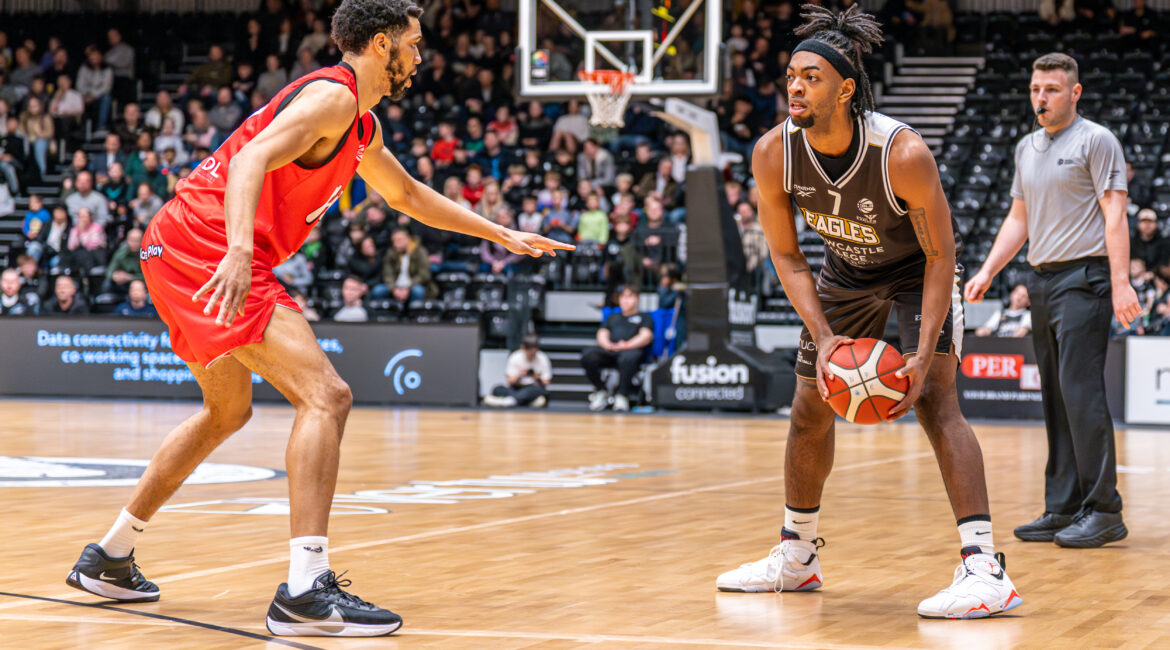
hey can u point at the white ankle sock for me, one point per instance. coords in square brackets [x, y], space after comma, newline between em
[802, 522]
[976, 531]
[308, 558]
[123, 535]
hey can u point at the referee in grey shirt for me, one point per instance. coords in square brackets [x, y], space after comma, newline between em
[1068, 202]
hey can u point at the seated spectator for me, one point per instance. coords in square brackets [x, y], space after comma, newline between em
[38, 130]
[1013, 321]
[131, 124]
[169, 138]
[120, 58]
[136, 305]
[622, 263]
[151, 173]
[1147, 244]
[53, 239]
[78, 163]
[13, 159]
[494, 257]
[35, 219]
[570, 129]
[516, 184]
[67, 105]
[32, 278]
[352, 310]
[559, 223]
[144, 205]
[226, 113]
[1157, 323]
[87, 243]
[273, 78]
[200, 132]
[577, 202]
[473, 188]
[661, 182]
[755, 245]
[12, 301]
[86, 198]
[294, 273]
[595, 164]
[111, 153]
[453, 190]
[307, 310]
[593, 224]
[65, 299]
[443, 151]
[505, 126]
[491, 201]
[95, 82]
[536, 128]
[116, 188]
[164, 108]
[530, 219]
[125, 266]
[528, 373]
[304, 65]
[1142, 281]
[365, 265]
[657, 238]
[623, 184]
[315, 40]
[209, 75]
[406, 274]
[622, 341]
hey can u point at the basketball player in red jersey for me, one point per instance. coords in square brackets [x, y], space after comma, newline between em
[208, 259]
[870, 187]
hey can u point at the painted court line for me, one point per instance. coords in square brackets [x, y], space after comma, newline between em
[166, 580]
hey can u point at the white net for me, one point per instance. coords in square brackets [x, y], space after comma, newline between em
[609, 102]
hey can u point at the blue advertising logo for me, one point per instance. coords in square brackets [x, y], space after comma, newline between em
[399, 376]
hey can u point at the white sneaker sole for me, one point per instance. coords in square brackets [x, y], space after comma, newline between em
[328, 628]
[1013, 601]
[78, 580]
[811, 584]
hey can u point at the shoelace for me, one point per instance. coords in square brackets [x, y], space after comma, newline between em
[136, 576]
[818, 543]
[334, 582]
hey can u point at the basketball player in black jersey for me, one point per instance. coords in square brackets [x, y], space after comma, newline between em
[870, 187]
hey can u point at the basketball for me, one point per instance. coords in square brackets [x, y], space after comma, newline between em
[864, 387]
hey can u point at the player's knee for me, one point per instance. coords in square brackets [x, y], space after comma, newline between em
[228, 419]
[339, 396]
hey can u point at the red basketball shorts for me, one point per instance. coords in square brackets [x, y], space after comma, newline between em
[180, 252]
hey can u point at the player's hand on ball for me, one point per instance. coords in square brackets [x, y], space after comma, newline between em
[530, 243]
[230, 285]
[825, 351]
[916, 368]
[976, 287]
[1125, 304]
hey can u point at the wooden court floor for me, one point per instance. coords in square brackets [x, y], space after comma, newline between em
[596, 531]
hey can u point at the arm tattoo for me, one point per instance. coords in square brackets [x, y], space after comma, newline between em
[918, 218]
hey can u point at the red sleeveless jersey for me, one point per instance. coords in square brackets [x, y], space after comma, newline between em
[293, 196]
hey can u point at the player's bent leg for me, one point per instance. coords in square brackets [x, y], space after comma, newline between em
[290, 358]
[794, 564]
[227, 406]
[980, 586]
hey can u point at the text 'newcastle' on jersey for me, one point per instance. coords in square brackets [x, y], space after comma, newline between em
[864, 226]
[293, 196]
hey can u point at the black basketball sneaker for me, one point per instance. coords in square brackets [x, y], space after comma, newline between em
[111, 577]
[327, 610]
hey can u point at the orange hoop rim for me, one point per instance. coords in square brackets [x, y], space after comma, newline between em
[615, 79]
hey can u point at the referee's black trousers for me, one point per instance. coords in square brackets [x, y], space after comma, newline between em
[1072, 309]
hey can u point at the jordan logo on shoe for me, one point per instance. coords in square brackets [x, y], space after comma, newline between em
[998, 573]
[315, 549]
[810, 559]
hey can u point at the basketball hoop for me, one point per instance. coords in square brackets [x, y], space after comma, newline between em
[608, 102]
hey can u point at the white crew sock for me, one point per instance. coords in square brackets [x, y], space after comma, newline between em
[308, 558]
[802, 521]
[123, 535]
[976, 531]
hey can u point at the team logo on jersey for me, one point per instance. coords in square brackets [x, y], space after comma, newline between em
[804, 192]
[865, 205]
[841, 228]
[361, 151]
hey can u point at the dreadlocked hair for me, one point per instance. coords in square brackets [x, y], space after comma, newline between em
[850, 32]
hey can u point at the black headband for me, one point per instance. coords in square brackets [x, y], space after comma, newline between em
[835, 58]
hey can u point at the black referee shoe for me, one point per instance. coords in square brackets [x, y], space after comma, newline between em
[327, 610]
[1044, 528]
[111, 577]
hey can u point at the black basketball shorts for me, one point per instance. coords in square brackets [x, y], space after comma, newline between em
[862, 313]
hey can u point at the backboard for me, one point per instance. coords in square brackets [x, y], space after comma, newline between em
[671, 46]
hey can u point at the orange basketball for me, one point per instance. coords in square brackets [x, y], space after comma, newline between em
[864, 387]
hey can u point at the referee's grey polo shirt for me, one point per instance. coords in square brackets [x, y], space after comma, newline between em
[1061, 178]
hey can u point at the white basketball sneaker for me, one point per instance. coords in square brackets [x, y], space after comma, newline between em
[981, 588]
[793, 565]
[598, 400]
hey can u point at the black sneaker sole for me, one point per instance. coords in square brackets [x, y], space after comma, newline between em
[1037, 535]
[329, 628]
[1114, 533]
[74, 580]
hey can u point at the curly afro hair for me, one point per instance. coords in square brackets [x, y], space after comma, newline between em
[357, 21]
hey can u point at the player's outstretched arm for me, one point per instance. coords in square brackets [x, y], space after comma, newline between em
[385, 174]
[914, 179]
[321, 110]
[776, 217]
[1013, 232]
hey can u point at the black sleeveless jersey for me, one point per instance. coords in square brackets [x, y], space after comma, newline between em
[864, 226]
